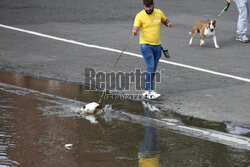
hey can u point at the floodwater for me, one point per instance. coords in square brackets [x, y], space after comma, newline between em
[38, 118]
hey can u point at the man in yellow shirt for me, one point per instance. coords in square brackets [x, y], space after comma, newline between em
[149, 22]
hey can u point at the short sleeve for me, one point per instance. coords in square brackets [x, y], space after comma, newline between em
[137, 21]
[163, 17]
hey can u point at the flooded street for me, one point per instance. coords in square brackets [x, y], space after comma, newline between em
[38, 118]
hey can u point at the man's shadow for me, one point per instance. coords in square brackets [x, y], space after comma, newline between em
[149, 150]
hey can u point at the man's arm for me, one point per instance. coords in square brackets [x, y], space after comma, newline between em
[167, 23]
[135, 30]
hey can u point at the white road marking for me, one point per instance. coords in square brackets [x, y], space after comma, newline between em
[127, 53]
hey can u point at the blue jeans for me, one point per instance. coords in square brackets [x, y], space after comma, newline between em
[151, 55]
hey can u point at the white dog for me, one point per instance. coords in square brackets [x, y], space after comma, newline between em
[91, 108]
[90, 111]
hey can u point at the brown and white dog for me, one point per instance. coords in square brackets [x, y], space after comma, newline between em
[91, 108]
[206, 29]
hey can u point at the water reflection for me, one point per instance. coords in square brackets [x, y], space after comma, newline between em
[37, 121]
[149, 151]
[62, 89]
[237, 129]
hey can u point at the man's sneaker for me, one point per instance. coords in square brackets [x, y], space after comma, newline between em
[242, 38]
[145, 93]
[154, 95]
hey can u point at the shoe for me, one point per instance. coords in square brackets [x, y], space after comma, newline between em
[154, 95]
[145, 94]
[242, 38]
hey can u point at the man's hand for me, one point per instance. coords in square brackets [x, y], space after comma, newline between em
[169, 24]
[228, 4]
[135, 30]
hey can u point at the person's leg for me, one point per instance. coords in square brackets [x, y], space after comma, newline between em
[243, 8]
[157, 56]
[148, 55]
[248, 8]
[243, 16]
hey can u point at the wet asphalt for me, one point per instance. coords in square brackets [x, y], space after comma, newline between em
[40, 118]
[109, 23]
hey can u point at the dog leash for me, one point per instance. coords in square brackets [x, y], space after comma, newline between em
[223, 10]
[125, 47]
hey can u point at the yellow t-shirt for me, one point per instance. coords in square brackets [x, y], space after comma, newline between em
[150, 26]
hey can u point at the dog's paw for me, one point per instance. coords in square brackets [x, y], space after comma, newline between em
[190, 42]
[217, 47]
[202, 44]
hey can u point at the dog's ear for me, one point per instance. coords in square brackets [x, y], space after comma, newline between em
[99, 107]
[214, 23]
[208, 21]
